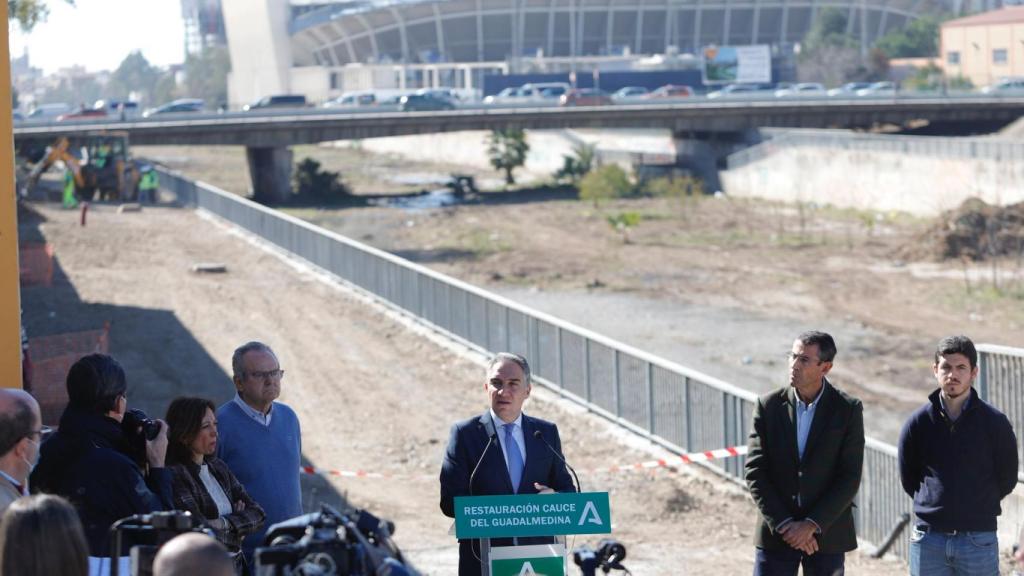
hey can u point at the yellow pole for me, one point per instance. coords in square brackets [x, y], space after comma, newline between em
[10, 293]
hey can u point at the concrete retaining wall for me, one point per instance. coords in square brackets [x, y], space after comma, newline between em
[875, 180]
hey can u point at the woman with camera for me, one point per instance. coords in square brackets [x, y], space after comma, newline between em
[202, 483]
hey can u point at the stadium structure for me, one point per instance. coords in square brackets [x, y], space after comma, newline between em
[322, 48]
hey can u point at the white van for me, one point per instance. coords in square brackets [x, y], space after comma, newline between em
[44, 112]
[537, 92]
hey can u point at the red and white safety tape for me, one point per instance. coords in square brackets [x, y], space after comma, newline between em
[691, 458]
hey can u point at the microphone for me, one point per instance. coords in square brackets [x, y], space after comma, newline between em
[537, 434]
[494, 436]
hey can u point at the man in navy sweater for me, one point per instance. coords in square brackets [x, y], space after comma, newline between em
[958, 459]
[260, 439]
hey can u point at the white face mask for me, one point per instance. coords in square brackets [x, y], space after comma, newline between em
[32, 465]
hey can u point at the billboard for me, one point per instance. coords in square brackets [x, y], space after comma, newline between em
[737, 64]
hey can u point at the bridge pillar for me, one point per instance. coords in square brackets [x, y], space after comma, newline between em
[704, 153]
[270, 171]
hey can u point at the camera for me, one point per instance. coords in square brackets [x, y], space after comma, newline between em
[330, 543]
[608, 556]
[143, 535]
[136, 423]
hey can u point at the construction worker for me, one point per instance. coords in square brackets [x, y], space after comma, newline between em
[149, 184]
[69, 189]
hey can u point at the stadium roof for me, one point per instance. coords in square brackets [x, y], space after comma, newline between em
[425, 31]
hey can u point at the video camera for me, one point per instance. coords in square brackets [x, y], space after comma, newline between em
[608, 556]
[329, 543]
[155, 529]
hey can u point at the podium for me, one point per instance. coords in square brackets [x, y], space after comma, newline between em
[520, 516]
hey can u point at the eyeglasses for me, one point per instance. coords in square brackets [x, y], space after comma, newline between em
[272, 374]
[805, 360]
[43, 432]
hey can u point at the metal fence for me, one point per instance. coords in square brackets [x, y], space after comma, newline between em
[1001, 383]
[932, 146]
[679, 408]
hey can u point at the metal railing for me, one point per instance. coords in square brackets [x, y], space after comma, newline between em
[679, 408]
[1001, 383]
[932, 146]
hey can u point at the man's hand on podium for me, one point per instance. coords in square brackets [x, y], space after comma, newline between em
[542, 489]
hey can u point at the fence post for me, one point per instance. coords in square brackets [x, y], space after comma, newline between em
[983, 375]
[558, 357]
[649, 385]
[616, 382]
[586, 368]
[688, 413]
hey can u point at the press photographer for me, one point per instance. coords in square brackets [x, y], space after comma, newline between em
[93, 461]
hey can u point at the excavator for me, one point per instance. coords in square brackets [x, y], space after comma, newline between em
[101, 166]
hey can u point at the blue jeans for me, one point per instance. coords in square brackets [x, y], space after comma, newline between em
[960, 554]
[786, 562]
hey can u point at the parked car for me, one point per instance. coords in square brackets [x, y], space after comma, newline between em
[848, 90]
[352, 100]
[878, 89]
[742, 91]
[630, 93]
[82, 114]
[424, 103]
[278, 101]
[123, 109]
[671, 91]
[49, 111]
[1010, 86]
[585, 97]
[802, 90]
[180, 106]
[536, 92]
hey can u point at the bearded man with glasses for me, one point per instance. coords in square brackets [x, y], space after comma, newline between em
[21, 432]
[260, 439]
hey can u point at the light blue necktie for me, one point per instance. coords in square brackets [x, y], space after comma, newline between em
[515, 457]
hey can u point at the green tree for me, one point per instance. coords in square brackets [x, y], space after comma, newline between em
[578, 164]
[918, 40]
[507, 150]
[314, 185]
[605, 183]
[828, 30]
[166, 89]
[81, 91]
[206, 75]
[134, 74]
[831, 55]
[28, 13]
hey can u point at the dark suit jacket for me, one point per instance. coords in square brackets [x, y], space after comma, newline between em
[826, 478]
[466, 445]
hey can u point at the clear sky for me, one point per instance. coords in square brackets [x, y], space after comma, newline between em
[98, 34]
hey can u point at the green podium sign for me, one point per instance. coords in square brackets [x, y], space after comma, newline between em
[532, 515]
[546, 560]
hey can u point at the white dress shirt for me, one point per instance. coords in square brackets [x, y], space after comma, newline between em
[517, 433]
[254, 413]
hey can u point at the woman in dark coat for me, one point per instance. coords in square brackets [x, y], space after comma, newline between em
[202, 483]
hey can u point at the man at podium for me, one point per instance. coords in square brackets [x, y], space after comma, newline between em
[502, 451]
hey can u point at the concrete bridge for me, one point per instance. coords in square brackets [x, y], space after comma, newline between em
[705, 130]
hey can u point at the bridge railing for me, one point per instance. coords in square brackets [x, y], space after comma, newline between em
[940, 147]
[679, 408]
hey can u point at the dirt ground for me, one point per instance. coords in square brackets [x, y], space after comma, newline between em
[372, 394]
[723, 284]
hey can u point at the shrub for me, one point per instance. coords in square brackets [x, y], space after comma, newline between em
[576, 166]
[605, 183]
[314, 185]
